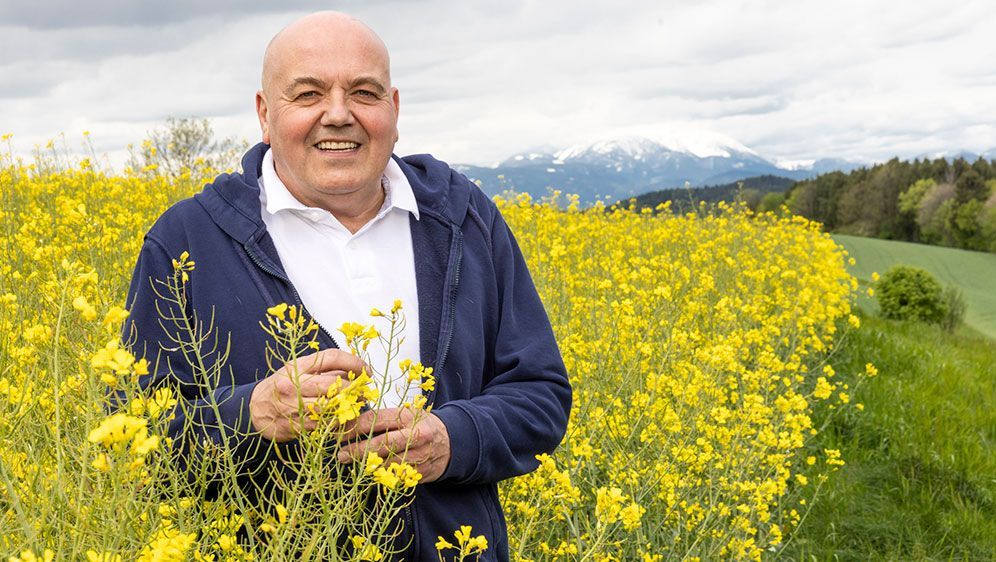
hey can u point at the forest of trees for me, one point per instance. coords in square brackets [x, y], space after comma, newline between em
[928, 201]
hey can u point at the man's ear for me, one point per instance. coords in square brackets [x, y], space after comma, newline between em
[397, 110]
[261, 112]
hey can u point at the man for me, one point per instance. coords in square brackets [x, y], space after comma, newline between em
[326, 217]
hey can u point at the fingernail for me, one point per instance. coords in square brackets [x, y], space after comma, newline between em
[344, 457]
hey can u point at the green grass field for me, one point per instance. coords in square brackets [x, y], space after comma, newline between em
[920, 479]
[972, 272]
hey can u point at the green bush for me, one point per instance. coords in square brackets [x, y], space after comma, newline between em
[910, 293]
[771, 202]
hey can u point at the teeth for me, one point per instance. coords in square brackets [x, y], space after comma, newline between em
[330, 145]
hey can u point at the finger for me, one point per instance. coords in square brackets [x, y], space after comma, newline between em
[391, 446]
[295, 406]
[319, 384]
[329, 360]
[373, 422]
[306, 415]
[285, 385]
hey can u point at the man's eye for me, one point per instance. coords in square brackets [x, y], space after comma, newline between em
[366, 94]
[308, 94]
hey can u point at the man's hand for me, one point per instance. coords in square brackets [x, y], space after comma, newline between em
[278, 406]
[393, 430]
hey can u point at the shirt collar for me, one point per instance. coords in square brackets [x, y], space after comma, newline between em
[399, 191]
[275, 196]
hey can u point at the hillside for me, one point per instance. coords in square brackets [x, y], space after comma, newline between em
[749, 190]
[918, 483]
[972, 272]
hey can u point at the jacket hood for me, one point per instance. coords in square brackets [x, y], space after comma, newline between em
[232, 200]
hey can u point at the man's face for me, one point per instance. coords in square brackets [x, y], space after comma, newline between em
[328, 112]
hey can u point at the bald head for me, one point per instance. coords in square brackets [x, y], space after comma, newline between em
[320, 28]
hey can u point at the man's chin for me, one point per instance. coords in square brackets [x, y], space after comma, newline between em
[346, 185]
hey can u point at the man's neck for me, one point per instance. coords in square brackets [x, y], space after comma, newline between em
[352, 210]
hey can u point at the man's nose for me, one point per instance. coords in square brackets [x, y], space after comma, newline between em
[337, 111]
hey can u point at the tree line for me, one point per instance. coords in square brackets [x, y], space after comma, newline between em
[752, 191]
[947, 203]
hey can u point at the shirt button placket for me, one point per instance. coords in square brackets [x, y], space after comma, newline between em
[351, 261]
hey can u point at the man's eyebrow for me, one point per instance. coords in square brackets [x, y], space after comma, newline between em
[366, 80]
[306, 81]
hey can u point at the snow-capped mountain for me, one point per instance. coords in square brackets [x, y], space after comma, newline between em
[628, 166]
[702, 145]
[951, 156]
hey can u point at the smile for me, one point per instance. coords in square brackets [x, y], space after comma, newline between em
[337, 145]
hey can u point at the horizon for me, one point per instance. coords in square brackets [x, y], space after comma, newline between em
[115, 160]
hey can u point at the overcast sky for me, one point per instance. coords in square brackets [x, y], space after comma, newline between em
[481, 80]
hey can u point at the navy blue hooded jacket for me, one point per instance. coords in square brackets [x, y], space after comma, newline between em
[501, 386]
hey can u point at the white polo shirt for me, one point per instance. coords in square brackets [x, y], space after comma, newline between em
[341, 276]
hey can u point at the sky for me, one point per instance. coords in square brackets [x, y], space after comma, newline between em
[794, 80]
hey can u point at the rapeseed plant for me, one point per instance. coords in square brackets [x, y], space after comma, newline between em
[696, 346]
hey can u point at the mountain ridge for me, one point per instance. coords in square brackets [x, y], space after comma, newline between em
[623, 167]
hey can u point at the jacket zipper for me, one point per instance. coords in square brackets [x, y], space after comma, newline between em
[297, 297]
[441, 359]
[454, 283]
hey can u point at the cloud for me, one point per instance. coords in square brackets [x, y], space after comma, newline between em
[933, 24]
[90, 44]
[68, 14]
[482, 80]
[24, 80]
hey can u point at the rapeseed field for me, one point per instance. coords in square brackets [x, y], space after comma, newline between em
[696, 346]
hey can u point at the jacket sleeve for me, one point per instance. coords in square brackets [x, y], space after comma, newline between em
[213, 411]
[523, 410]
